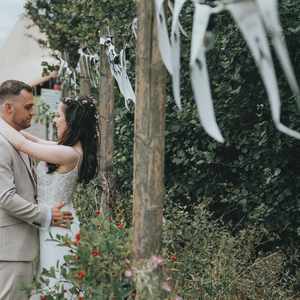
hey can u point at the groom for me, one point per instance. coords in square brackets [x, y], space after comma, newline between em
[20, 214]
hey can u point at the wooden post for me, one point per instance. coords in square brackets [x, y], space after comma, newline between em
[65, 91]
[85, 86]
[106, 112]
[149, 150]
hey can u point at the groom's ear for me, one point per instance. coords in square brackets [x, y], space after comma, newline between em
[7, 107]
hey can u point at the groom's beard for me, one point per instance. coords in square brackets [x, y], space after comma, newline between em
[21, 123]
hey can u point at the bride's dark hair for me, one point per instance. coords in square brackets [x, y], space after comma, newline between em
[82, 125]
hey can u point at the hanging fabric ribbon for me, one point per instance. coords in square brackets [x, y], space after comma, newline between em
[84, 59]
[90, 63]
[124, 81]
[119, 71]
[134, 27]
[65, 74]
[175, 51]
[163, 36]
[252, 17]
[199, 72]
[246, 15]
[170, 50]
[171, 7]
[269, 13]
[61, 66]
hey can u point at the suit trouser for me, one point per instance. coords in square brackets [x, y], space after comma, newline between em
[14, 276]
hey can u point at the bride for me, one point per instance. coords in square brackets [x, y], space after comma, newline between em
[62, 164]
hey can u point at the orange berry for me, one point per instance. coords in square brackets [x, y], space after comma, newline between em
[120, 226]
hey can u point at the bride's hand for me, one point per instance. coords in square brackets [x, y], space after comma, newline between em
[61, 218]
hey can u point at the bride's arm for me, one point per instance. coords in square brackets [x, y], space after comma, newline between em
[36, 139]
[56, 154]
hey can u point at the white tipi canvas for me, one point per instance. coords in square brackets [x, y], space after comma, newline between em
[21, 55]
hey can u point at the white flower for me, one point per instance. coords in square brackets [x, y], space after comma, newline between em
[128, 273]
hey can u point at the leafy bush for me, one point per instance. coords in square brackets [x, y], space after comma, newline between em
[87, 200]
[208, 262]
[98, 266]
[253, 178]
[201, 259]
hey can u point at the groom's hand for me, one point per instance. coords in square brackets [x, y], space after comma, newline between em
[61, 218]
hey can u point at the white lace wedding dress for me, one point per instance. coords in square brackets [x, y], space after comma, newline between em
[51, 189]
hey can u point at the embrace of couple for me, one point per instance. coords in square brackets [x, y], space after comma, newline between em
[37, 201]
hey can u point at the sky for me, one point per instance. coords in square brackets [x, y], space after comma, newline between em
[10, 10]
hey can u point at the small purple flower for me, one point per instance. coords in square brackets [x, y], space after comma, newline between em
[157, 261]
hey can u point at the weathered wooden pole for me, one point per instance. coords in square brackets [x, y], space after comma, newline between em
[65, 89]
[85, 85]
[149, 150]
[106, 112]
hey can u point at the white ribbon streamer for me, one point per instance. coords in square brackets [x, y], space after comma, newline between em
[134, 27]
[171, 7]
[119, 72]
[91, 65]
[252, 17]
[246, 15]
[67, 75]
[163, 36]
[125, 82]
[175, 51]
[199, 73]
[269, 13]
[61, 66]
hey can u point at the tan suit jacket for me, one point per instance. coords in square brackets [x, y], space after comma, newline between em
[20, 216]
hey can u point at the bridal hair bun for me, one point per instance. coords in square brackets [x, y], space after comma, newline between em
[81, 100]
[87, 102]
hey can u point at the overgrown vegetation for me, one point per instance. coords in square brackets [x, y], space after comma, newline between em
[209, 262]
[201, 259]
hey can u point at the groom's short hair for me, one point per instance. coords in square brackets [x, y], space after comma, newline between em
[11, 88]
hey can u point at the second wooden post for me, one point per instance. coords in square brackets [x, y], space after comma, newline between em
[149, 151]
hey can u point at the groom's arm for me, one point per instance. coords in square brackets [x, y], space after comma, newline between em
[12, 203]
